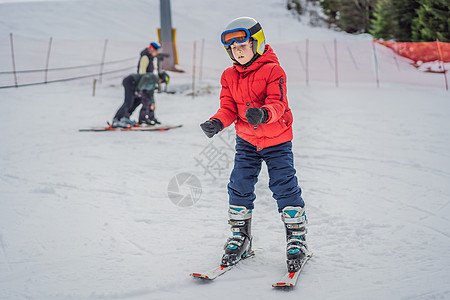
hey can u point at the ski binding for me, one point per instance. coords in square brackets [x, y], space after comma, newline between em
[218, 271]
[290, 279]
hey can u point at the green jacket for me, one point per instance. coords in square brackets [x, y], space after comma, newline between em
[147, 81]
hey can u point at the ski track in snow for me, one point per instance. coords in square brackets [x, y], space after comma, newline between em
[87, 215]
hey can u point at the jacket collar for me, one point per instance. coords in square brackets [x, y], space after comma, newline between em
[268, 57]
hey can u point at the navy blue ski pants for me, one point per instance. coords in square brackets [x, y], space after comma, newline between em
[282, 180]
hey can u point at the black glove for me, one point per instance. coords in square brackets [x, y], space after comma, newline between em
[256, 115]
[211, 127]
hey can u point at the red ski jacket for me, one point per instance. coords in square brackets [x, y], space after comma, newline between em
[262, 84]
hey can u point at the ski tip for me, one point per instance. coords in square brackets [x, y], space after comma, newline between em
[282, 284]
[198, 275]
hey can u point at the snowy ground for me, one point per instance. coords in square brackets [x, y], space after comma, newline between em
[88, 216]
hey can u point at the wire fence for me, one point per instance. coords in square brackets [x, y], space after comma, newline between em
[334, 62]
[26, 61]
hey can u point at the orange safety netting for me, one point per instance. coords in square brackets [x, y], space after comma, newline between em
[424, 52]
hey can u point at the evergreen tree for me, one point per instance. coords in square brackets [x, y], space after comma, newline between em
[393, 19]
[405, 12]
[350, 15]
[330, 9]
[384, 21]
[432, 21]
[295, 5]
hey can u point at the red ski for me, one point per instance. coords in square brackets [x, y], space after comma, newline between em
[218, 271]
[134, 128]
[290, 279]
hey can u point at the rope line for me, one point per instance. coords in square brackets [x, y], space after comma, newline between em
[67, 68]
[64, 79]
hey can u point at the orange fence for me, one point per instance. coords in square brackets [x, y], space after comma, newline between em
[421, 52]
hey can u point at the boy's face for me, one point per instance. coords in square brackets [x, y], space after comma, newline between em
[243, 53]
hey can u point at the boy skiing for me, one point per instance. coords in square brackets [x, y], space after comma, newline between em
[253, 96]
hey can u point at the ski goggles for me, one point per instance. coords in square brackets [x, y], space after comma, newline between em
[238, 35]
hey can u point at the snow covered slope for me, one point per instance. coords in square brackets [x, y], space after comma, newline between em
[88, 215]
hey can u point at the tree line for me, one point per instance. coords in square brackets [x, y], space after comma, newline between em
[397, 20]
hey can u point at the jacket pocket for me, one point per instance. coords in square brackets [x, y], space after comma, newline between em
[287, 119]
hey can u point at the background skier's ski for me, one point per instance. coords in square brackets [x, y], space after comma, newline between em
[134, 128]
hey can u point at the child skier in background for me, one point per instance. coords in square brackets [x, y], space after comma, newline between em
[139, 89]
[253, 96]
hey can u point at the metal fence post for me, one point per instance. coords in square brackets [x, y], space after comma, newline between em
[103, 61]
[376, 63]
[13, 60]
[48, 59]
[193, 70]
[442, 63]
[336, 64]
[307, 61]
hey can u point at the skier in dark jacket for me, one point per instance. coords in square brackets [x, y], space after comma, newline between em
[145, 64]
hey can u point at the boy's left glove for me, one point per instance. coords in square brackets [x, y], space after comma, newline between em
[256, 115]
